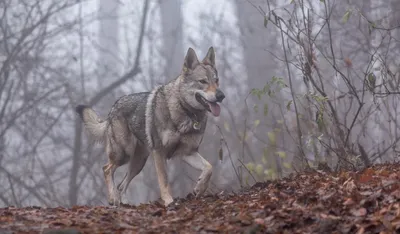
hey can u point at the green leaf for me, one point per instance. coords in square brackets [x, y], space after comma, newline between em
[243, 136]
[346, 16]
[256, 122]
[246, 179]
[227, 127]
[322, 0]
[266, 88]
[320, 137]
[371, 77]
[287, 165]
[250, 166]
[246, 136]
[265, 156]
[292, 1]
[281, 154]
[255, 108]
[267, 172]
[271, 136]
[371, 26]
[265, 109]
[265, 21]
[264, 159]
[371, 81]
[320, 120]
[259, 169]
[281, 83]
[288, 104]
[257, 93]
[265, 151]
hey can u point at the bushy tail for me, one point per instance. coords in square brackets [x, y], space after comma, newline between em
[95, 126]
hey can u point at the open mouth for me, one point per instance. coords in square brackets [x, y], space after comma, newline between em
[212, 107]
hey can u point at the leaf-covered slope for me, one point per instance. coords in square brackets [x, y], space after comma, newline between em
[350, 202]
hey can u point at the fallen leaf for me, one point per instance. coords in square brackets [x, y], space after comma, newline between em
[348, 202]
[349, 185]
[359, 212]
[259, 221]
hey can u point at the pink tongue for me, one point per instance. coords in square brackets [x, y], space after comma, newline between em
[215, 108]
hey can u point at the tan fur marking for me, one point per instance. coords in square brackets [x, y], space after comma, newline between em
[212, 88]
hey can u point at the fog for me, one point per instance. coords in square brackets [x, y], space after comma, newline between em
[308, 84]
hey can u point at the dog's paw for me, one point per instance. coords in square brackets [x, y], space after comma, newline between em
[110, 201]
[168, 201]
[115, 201]
[199, 189]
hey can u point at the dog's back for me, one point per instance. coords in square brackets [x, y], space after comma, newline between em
[127, 116]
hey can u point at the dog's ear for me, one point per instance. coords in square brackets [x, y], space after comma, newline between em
[210, 57]
[191, 60]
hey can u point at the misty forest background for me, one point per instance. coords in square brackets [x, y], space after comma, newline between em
[309, 83]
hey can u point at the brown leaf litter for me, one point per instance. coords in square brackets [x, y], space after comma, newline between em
[367, 201]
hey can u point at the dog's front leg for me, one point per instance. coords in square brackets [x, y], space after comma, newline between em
[197, 161]
[160, 163]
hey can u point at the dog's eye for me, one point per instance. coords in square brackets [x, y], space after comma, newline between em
[203, 81]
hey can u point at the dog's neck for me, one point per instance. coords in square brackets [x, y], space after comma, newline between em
[193, 113]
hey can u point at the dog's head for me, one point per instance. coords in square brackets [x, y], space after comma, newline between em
[199, 86]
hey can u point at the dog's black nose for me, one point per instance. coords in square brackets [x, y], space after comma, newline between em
[219, 95]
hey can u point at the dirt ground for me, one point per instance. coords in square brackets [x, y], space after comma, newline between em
[367, 201]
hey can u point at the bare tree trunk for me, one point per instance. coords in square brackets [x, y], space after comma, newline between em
[108, 40]
[171, 17]
[173, 52]
[73, 186]
[256, 39]
[108, 62]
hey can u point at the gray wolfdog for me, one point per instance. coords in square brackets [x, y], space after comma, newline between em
[167, 122]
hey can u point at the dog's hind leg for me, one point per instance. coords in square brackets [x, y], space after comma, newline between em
[198, 162]
[136, 163]
[109, 170]
[116, 158]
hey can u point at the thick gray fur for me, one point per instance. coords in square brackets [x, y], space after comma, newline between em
[167, 122]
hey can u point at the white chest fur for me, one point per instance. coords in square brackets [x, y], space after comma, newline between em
[170, 138]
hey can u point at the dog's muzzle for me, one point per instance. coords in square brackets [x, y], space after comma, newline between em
[219, 95]
[211, 106]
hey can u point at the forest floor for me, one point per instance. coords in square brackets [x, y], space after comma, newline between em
[366, 201]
